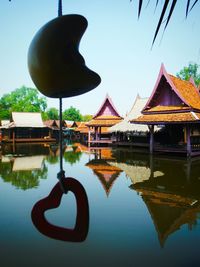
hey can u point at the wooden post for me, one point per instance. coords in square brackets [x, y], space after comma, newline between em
[151, 141]
[13, 137]
[188, 141]
[96, 133]
[100, 133]
[89, 137]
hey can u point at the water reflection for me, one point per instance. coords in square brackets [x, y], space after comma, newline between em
[23, 165]
[23, 172]
[101, 167]
[169, 188]
[52, 201]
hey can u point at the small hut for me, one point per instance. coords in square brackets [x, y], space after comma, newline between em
[25, 126]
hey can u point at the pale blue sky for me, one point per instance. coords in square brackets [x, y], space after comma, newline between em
[115, 45]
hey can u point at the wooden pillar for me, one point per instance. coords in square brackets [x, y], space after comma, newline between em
[100, 133]
[13, 137]
[151, 141]
[89, 137]
[188, 141]
[96, 133]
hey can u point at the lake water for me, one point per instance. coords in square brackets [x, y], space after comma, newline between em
[142, 210]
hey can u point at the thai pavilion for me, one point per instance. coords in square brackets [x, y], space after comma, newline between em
[26, 127]
[175, 105]
[106, 117]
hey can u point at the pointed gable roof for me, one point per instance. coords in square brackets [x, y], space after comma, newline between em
[106, 116]
[185, 91]
[107, 108]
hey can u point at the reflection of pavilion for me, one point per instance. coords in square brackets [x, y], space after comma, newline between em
[134, 172]
[28, 163]
[106, 173]
[174, 198]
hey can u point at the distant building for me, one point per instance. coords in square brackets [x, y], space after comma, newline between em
[106, 117]
[25, 126]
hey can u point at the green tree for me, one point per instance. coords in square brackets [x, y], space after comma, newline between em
[72, 114]
[86, 117]
[52, 114]
[190, 71]
[22, 99]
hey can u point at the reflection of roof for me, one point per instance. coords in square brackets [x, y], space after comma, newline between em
[81, 148]
[106, 173]
[28, 163]
[134, 172]
[169, 212]
[171, 200]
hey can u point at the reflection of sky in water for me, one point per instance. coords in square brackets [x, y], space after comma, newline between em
[122, 232]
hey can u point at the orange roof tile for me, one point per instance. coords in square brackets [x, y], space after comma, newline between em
[167, 108]
[169, 118]
[103, 122]
[188, 91]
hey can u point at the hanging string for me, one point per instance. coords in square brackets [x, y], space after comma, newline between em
[61, 174]
[59, 8]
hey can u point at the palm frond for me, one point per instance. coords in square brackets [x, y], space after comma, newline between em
[140, 7]
[170, 12]
[187, 8]
[161, 19]
[193, 4]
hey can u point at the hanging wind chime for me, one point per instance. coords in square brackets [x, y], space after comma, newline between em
[55, 65]
[58, 70]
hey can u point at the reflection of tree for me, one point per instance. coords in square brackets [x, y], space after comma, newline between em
[52, 159]
[72, 157]
[24, 179]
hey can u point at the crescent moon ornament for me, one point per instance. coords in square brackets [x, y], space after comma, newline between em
[55, 65]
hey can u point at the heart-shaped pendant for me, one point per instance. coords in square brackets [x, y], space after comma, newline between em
[52, 201]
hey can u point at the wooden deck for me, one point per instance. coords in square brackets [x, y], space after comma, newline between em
[27, 140]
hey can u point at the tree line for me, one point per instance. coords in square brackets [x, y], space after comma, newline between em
[26, 99]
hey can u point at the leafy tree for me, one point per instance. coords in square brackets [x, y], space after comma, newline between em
[72, 114]
[86, 117]
[22, 99]
[190, 71]
[52, 114]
